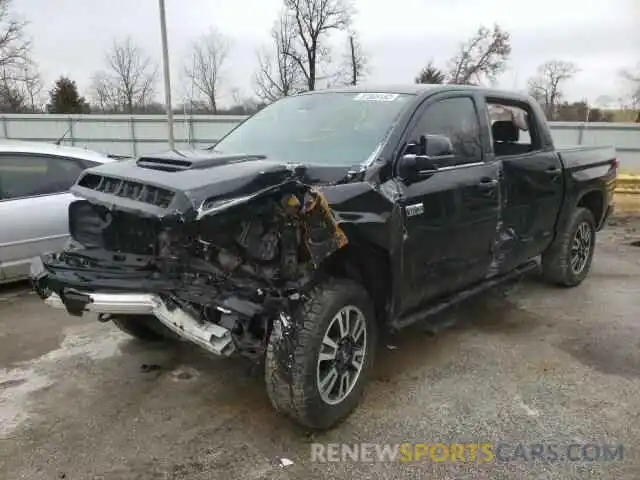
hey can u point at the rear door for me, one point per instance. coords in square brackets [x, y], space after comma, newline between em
[34, 200]
[451, 217]
[532, 187]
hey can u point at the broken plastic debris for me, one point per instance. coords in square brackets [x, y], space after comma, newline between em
[285, 462]
[184, 373]
[144, 368]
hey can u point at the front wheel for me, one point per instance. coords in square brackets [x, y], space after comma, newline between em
[318, 361]
[568, 260]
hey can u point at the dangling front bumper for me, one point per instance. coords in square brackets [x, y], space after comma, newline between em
[60, 291]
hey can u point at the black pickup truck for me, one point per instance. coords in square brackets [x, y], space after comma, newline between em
[325, 221]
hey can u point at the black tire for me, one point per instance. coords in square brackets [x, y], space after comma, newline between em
[146, 328]
[292, 359]
[557, 260]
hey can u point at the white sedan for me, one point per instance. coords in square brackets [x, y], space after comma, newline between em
[34, 198]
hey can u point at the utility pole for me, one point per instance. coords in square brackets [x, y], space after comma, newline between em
[167, 80]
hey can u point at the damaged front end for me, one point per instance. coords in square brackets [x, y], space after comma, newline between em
[217, 273]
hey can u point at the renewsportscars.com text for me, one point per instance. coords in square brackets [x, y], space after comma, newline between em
[466, 452]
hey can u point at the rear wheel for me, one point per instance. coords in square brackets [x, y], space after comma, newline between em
[317, 362]
[143, 327]
[568, 260]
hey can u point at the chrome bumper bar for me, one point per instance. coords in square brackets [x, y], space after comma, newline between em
[113, 303]
[210, 336]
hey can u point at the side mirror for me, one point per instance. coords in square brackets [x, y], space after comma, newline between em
[438, 146]
[414, 167]
[419, 160]
[431, 146]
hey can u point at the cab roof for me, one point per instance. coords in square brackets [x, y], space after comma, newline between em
[422, 89]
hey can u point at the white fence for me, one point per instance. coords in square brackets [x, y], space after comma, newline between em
[139, 134]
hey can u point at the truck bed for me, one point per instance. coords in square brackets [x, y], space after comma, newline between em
[581, 157]
[586, 168]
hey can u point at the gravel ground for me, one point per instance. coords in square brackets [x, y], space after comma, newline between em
[80, 400]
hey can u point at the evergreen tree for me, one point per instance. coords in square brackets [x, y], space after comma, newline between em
[64, 98]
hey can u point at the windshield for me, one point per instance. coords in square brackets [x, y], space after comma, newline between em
[338, 129]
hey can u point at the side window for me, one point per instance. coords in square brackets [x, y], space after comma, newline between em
[457, 119]
[512, 129]
[24, 175]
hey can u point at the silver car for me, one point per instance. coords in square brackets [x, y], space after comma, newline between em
[34, 197]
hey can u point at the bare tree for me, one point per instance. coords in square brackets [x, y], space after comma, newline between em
[128, 84]
[633, 79]
[312, 22]
[12, 98]
[546, 85]
[431, 74]
[20, 91]
[208, 54]
[236, 95]
[32, 87]
[354, 66]
[105, 93]
[15, 48]
[357, 64]
[15, 61]
[278, 74]
[482, 57]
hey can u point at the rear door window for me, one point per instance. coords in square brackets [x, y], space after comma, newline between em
[513, 129]
[26, 175]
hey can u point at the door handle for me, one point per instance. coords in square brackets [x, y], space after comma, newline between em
[487, 183]
[552, 170]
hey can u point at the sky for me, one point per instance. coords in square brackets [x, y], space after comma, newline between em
[71, 37]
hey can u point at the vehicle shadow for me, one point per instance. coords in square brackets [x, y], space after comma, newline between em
[436, 339]
[236, 386]
[14, 290]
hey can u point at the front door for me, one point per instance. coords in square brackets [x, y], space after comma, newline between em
[451, 217]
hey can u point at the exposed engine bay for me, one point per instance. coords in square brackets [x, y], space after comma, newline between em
[239, 264]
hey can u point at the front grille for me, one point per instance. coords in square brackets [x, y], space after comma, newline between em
[160, 197]
[95, 226]
[127, 233]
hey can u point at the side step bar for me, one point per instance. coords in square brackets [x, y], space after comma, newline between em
[421, 315]
[210, 336]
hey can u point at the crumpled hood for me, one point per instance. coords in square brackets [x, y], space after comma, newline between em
[180, 182]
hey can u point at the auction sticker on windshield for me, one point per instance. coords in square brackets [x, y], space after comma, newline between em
[375, 97]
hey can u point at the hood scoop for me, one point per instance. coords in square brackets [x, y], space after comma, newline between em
[176, 161]
[164, 164]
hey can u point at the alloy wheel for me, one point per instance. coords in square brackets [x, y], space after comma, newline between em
[342, 354]
[581, 248]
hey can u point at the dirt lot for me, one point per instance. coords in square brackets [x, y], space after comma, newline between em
[79, 400]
